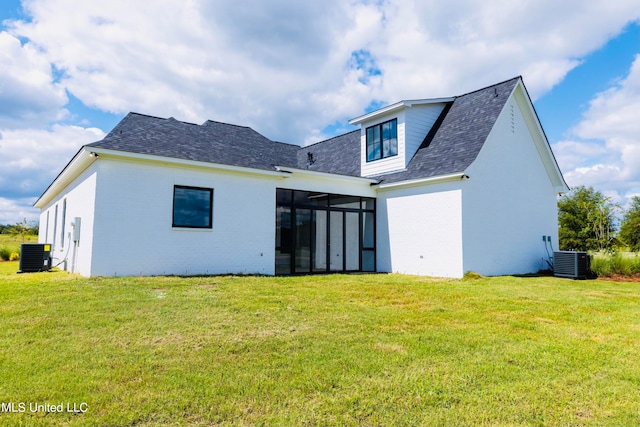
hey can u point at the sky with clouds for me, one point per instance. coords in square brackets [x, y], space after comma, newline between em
[297, 71]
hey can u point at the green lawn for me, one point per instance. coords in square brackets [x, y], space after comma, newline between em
[320, 350]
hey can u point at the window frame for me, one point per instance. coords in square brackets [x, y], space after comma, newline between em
[173, 210]
[379, 143]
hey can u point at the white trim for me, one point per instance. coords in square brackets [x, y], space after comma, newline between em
[539, 137]
[397, 106]
[430, 180]
[81, 161]
[290, 171]
[115, 154]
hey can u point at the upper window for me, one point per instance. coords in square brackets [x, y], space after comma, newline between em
[192, 207]
[382, 140]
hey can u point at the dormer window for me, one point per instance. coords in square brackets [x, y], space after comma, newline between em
[382, 140]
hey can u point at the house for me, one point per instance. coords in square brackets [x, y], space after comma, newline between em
[431, 187]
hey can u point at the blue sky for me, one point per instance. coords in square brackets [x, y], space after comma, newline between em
[69, 71]
[562, 107]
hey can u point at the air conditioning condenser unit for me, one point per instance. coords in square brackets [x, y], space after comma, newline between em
[35, 257]
[574, 265]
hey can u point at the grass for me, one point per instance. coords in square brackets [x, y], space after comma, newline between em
[11, 245]
[620, 263]
[320, 350]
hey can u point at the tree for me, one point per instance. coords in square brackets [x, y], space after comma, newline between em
[21, 228]
[630, 226]
[586, 220]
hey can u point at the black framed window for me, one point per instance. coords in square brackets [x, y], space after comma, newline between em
[192, 207]
[382, 140]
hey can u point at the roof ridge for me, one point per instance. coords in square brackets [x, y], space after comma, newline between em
[181, 121]
[226, 124]
[282, 142]
[488, 87]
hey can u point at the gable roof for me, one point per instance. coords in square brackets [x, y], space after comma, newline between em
[458, 135]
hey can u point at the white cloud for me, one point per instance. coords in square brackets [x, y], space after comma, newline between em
[610, 138]
[573, 154]
[32, 158]
[28, 95]
[13, 211]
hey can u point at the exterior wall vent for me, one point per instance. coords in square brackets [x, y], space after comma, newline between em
[35, 257]
[573, 265]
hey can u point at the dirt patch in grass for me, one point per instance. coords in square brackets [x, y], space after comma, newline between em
[622, 278]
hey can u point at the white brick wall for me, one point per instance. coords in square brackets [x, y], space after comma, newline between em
[509, 201]
[80, 202]
[134, 233]
[420, 230]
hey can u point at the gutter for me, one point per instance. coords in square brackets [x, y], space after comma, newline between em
[125, 155]
[431, 180]
[291, 171]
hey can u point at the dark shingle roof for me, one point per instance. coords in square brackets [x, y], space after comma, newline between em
[339, 155]
[450, 147]
[211, 142]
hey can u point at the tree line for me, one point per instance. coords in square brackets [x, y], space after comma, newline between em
[587, 222]
[22, 228]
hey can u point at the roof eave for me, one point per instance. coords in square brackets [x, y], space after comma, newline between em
[398, 106]
[290, 171]
[78, 164]
[125, 155]
[551, 163]
[423, 181]
[87, 155]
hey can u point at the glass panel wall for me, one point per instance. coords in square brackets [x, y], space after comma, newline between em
[352, 241]
[304, 228]
[346, 202]
[368, 260]
[336, 243]
[283, 240]
[368, 241]
[320, 244]
[320, 232]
